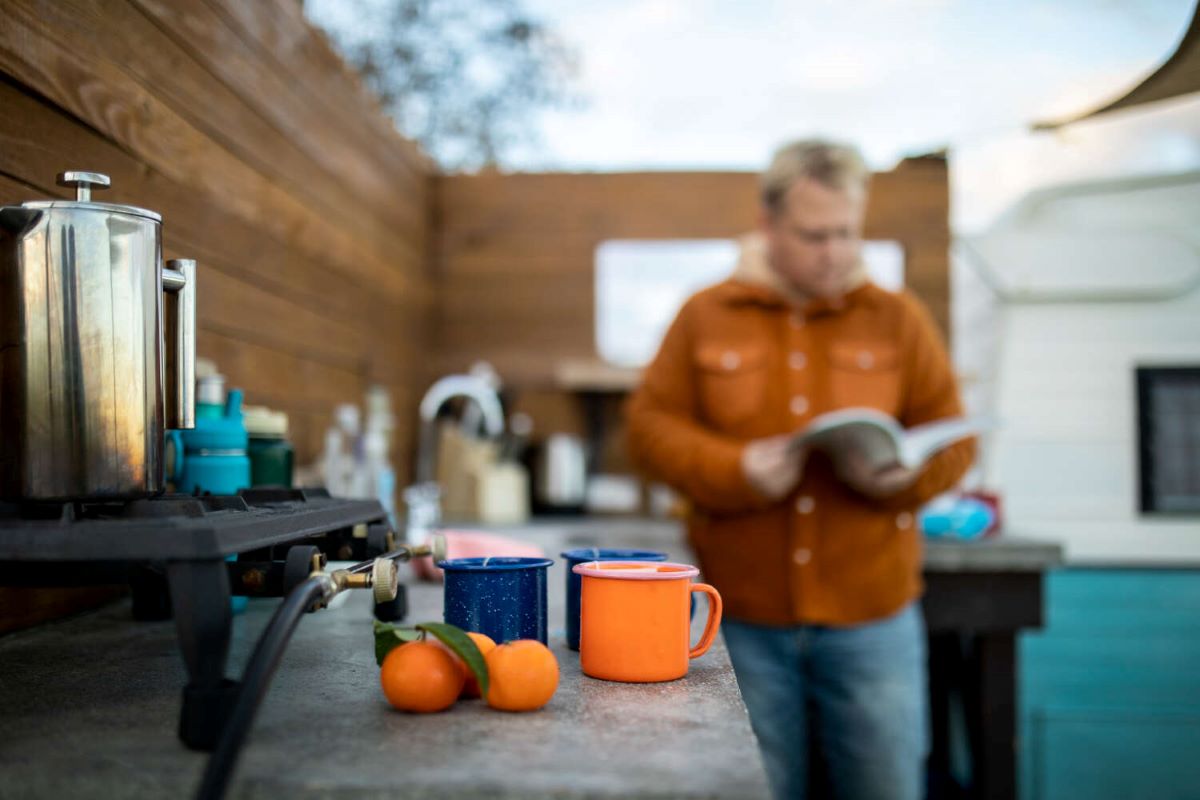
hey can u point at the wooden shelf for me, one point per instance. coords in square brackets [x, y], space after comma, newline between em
[595, 376]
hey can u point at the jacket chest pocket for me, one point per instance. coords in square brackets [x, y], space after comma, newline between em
[732, 383]
[865, 374]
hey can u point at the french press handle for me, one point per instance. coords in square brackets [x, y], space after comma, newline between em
[179, 332]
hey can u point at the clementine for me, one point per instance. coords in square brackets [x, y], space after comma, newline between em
[522, 675]
[421, 677]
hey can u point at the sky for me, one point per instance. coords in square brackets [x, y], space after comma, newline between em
[712, 84]
[716, 84]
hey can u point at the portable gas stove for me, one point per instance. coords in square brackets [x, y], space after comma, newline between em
[173, 551]
[97, 364]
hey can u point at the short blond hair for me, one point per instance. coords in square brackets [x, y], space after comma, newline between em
[831, 164]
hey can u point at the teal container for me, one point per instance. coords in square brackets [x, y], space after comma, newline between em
[214, 473]
[212, 456]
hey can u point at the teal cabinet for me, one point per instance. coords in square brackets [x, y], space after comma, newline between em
[1110, 688]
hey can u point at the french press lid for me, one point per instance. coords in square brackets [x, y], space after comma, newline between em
[84, 183]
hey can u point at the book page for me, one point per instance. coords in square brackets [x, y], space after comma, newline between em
[921, 442]
[880, 438]
[866, 430]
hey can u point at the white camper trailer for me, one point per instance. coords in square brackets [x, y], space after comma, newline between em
[1088, 282]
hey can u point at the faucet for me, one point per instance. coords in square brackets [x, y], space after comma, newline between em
[424, 498]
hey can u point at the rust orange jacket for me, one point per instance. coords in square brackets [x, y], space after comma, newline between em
[739, 363]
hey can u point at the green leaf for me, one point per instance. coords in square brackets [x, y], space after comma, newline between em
[462, 646]
[388, 637]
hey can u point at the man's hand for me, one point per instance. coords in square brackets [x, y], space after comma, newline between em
[857, 472]
[773, 466]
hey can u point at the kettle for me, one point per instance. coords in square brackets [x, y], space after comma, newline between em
[95, 364]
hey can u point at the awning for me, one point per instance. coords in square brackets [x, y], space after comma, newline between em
[1179, 75]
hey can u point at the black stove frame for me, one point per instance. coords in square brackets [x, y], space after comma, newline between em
[172, 550]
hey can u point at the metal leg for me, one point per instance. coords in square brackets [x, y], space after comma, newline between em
[203, 623]
[994, 714]
[947, 666]
[942, 649]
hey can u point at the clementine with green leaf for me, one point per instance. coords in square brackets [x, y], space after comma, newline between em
[416, 681]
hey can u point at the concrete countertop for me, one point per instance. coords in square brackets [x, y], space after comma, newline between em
[90, 707]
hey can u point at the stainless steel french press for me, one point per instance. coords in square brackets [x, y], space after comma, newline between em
[94, 365]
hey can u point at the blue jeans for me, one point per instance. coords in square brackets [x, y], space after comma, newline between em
[860, 692]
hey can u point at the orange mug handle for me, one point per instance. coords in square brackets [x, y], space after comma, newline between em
[713, 622]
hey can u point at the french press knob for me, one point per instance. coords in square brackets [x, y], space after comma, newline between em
[83, 183]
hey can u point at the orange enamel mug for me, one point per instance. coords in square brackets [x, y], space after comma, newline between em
[635, 620]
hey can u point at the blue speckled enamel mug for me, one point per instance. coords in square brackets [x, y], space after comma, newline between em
[585, 554]
[501, 597]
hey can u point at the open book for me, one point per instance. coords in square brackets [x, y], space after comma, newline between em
[881, 438]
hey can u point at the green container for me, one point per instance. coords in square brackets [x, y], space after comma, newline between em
[271, 455]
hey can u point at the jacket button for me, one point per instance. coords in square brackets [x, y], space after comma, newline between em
[805, 505]
[797, 360]
[904, 520]
[866, 359]
[799, 405]
[802, 556]
[731, 360]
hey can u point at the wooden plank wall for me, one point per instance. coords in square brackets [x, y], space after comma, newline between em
[308, 214]
[515, 252]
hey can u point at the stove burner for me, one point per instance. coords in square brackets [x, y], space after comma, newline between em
[169, 506]
[51, 512]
